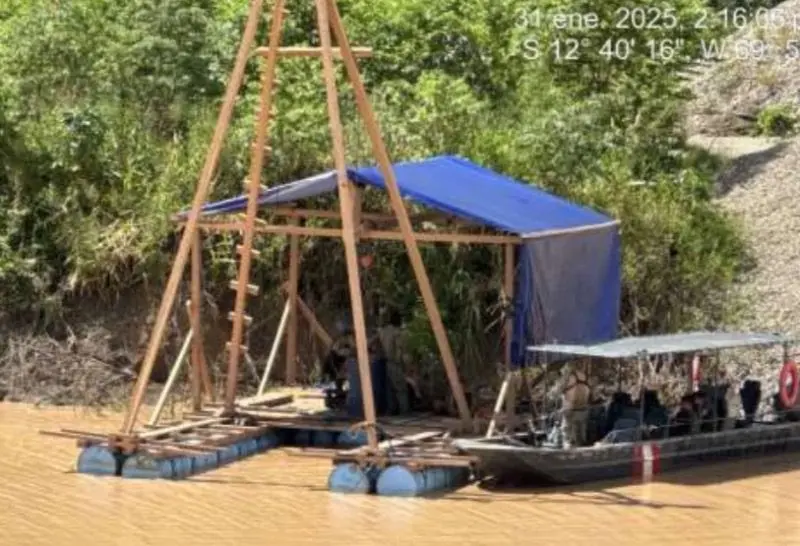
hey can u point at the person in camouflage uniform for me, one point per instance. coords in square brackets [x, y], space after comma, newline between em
[575, 396]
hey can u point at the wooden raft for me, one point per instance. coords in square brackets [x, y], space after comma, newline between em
[196, 435]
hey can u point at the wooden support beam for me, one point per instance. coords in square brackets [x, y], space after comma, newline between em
[312, 52]
[357, 212]
[509, 268]
[273, 353]
[256, 166]
[167, 431]
[398, 442]
[289, 211]
[291, 333]
[383, 235]
[382, 156]
[203, 186]
[199, 363]
[498, 404]
[267, 400]
[194, 367]
[348, 229]
[316, 327]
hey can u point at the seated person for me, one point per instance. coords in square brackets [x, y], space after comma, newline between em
[620, 403]
[683, 419]
[655, 415]
[750, 394]
[575, 396]
[334, 367]
[704, 414]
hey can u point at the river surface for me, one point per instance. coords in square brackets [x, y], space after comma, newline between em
[277, 498]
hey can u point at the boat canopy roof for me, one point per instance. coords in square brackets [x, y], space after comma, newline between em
[689, 342]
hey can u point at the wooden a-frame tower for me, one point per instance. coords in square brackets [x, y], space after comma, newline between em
[328, 20]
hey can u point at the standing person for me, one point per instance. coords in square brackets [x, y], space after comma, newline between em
[575, 396]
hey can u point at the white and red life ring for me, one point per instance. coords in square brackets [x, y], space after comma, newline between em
[789, 385]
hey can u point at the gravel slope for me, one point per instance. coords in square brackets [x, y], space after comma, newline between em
[735, 89]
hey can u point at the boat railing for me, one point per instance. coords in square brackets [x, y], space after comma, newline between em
[629, 427]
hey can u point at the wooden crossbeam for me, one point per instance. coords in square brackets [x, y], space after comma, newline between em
[312, 52]
[373, 234]
[297, 212]
[252, 289]
[397, 442]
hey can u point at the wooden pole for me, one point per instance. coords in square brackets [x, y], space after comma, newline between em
[348, 229]
[173, 375]
[382, 156]
[313, 322]
[256, 165]
[201, 380]
[291, 335]
[203, 187]
[508, 287]
[316, 327]
[498, 405]
[273, 353]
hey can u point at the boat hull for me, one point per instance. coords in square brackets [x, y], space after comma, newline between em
[528, 464]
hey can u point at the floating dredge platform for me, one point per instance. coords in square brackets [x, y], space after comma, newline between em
[414, 456]
[408, 455]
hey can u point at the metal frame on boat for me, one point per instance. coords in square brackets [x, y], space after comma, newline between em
[644, 451]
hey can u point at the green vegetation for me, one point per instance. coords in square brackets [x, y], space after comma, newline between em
[106, 114]
[776, 120]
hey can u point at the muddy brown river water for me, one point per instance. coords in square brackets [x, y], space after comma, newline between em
[276, 498]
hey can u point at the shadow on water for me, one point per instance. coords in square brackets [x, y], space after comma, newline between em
[598, 493]
[732, 471]
[710, 474]
[573, 496]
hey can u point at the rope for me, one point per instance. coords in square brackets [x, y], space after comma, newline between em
[365, 425]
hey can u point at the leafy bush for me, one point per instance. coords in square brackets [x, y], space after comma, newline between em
[776, 120]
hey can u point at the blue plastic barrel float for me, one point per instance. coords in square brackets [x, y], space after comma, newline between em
[268, 440]
[352, 478]
[145, 466]
[286, 436]
[401, 481]
[201, 462]
[324, 438]
[247, 447]
[204, 462]
[302, 438]
[228, 453]
[182, 467]
[352, 438]
[98, 461]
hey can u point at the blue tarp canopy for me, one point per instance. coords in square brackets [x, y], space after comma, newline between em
[567, 284]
